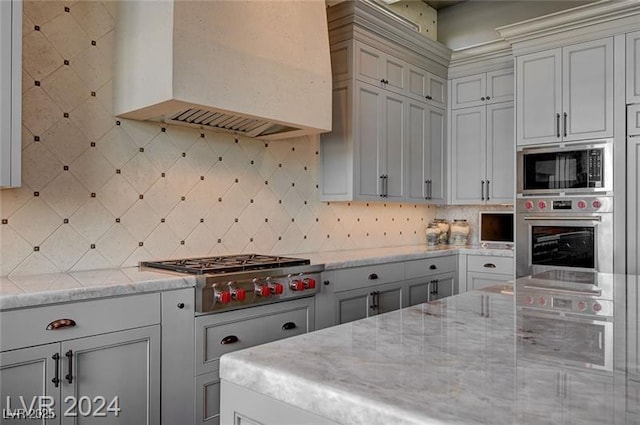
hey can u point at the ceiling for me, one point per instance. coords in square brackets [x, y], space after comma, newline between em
[439, 4]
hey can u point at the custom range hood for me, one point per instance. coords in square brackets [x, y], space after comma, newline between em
[259, 68]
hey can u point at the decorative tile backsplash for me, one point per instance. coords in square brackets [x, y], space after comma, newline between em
[99, 192]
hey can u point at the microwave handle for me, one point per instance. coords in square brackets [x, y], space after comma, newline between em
[563, 218]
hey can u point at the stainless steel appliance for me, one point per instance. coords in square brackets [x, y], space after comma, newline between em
[576, 168]
[570, 233]
[231, 282]
[566, 318]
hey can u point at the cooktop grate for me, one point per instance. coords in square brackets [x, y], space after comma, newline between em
[225, 263]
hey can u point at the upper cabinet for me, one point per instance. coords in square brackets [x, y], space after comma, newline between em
[10, 92]
[389, 109]
[482, 89]
[633, 67]
[565, 94]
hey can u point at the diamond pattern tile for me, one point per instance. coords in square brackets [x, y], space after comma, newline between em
[105, 160]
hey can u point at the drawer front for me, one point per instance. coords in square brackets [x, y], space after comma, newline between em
[488, 264]
[359, 277]
[28, 327]
[430, 266]
[218, 334]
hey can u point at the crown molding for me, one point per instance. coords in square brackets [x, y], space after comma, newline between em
[483, 57]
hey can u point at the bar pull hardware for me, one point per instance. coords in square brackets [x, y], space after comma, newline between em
[386, 185]
[56, 374]
[69, 376]
[489, 266]
[288, 326]
[565, 124]
[482, 190]
[229, 340]
[373, 276]
[61, 323]
[488, 190]
[382, 185]
[486, 309]
[558, 125]
[481, 305]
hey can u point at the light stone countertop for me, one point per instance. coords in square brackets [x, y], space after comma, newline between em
[35, 290]
[446, 362]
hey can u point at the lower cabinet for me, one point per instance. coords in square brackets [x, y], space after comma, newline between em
[78, 378]
[431, 288]
[478, 271]
[360, 303]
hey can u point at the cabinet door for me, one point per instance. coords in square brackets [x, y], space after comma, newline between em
[27, 374]
[10, 92]
[417, 290]
[441, 286]
[539, 394]
[633, 67]
[437, 91]
[584, 388]
[633, 205]
[352, 305]
[477, 280]
[468, 141]
[587, 87]
[388, 298]
[419, 151]
[417, 83]
[500, 86]
[468, 91]
[633, 120]
[121, 365]
[394, 74]
[394, 145]
[436, 169]
[539, 100]
[500, 153]
[369, 64]
[369, 136]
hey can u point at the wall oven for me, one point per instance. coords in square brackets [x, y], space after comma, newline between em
[581, 168]
[565, 234]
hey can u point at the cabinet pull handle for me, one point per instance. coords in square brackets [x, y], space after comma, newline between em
[69, 376]
[565, 124]
[482, 98]
[56, 371]
[61, 323]
[386, 185]
[373, 276]
[558, 125]
[327, 283]
[486, 314]
[488, 97]
[376, 297]
[382, 186]
[288, 326]
[481, 305]
[374, 300]
[489, 266]
[488, 190]
[482, 190]
[180, 306]
[433, 267]
[426, 189]
[429, 189]
[229, 340]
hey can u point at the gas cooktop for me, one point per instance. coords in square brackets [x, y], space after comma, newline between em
[226, 263]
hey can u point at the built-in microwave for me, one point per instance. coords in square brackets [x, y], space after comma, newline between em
[576, 168]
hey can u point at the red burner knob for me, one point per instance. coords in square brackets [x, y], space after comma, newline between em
[596, 204]
[263, 291]
[310, 283]
[276, 288]
[582, 205]
[528, 205]
[239, 294]
[297, 285]
[223, 297]
[542, 205]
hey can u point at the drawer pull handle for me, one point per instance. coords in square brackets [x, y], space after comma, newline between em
[229, 340]
[433, 267]
[69, 376]
[489, 266]
[288, 326]
[61, 323]
[56, 374]
[373, 276]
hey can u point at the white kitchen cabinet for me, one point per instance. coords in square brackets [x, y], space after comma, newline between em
[482, 89]
[633, 120]
[478, 271]
[633, 67]
[380, 69]
[424, 86]
[482, 154]
[102, 357]
[565, 94]
[365, 302]
[426, 140]
[430, 279]
[10, 92]
[633, 205]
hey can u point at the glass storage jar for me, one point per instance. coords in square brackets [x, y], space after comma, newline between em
[433, 234]
[443, 225]
[460, 230]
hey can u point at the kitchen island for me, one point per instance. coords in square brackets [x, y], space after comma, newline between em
[459, 360]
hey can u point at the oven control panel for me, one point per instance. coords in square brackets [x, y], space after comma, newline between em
[565, 303]
[576, 204]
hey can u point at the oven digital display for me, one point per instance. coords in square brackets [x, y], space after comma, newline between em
[561, 205]
[562, 303]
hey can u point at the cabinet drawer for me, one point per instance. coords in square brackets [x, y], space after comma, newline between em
[430, 266]
[27, 327]
[359, 277]
[218, 334]
[488, 264]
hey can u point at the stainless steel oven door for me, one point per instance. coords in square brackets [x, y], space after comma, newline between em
[565, 339]
[571, 169]
[580, 242]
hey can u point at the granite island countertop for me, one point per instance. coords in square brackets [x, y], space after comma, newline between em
[36, 290]
[458, 360]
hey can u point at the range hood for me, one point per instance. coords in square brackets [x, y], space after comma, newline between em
[259, 68]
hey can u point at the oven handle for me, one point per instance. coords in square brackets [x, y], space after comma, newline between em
[567, 218]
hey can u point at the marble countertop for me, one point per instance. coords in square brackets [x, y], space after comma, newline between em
[459, 360]
[27, 291]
